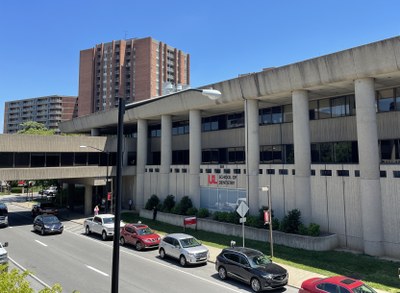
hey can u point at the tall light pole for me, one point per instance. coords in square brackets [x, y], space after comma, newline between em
[108, 164]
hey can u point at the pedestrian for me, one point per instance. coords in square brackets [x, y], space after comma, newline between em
[130, 204]
[96, 210]
[154, 213]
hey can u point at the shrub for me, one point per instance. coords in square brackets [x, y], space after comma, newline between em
[313, 229]
[16, 189]
[203, 213]
[254, 221]
[192, 211]
[176, 209]
[303, 230]
[169, 203]
[291, 222]
[185, 204]
[152, 202]
[275, 224]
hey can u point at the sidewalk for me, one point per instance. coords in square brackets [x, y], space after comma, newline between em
[296, 276]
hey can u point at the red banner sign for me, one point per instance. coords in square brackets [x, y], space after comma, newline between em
[266, 217]
[190, 221]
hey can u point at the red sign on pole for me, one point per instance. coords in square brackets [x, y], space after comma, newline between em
[266, 217]
[109, 196]
[190, 221]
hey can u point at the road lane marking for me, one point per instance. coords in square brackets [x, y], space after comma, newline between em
[97, 271]
[30, 274]
[41, 243]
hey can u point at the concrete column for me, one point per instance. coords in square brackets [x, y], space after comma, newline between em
[302, 154]
[166, 154]
[88, 200]
[141, 160]
[194, 156]
[368, 153]
[252, 154]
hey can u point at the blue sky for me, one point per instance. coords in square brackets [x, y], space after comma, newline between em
[41, 40]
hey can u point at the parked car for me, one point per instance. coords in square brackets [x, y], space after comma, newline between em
[47, 224]
[185, 248]
[3, 253]
[252, 267]
[334, 284]
[3, 214]
[44, 208]
[101, 224]
[139, 235]
[50, 192]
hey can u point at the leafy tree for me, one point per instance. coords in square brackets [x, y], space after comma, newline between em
[14, 282]
[152, 202]
[36, 128]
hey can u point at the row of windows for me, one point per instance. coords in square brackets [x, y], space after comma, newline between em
[327, 173]
[386, 100]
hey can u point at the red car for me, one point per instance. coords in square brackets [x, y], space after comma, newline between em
[335, 284]
[139, 235]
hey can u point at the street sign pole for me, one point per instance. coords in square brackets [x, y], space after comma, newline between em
[242, 210]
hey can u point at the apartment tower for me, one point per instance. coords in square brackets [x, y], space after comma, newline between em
[48, 110]
[133, 69]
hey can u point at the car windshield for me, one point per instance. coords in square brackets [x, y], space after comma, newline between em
[144, 231]
[50, 219]
[363, 289]
[259, 260]
[189, 242]
[108, 220]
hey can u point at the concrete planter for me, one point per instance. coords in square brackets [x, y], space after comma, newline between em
[320, 243]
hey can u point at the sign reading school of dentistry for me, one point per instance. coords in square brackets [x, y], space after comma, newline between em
[318, 134]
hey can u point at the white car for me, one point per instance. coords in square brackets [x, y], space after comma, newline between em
[3, 253]
[101, 224]
[185, 248]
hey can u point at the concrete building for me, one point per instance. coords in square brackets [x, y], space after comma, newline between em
[323, 135]
[134, 69]
[48, 110]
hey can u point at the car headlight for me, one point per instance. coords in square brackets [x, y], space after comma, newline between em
[46, 226]
[191, 255]
[268, 276]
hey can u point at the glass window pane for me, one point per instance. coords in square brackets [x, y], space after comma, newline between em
[386, 101]
[52, 159]
[287, 113]
[67, 159]
[324, 110]
[339, 107]
[326, 152]
[6, 160]
[313, 110]
[277, 115]
[38, 159]
[22, 160]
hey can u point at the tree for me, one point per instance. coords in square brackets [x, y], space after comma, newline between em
[14, 282]
[36, 128]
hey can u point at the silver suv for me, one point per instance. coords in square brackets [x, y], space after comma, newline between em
[3, 253]
[185, 248]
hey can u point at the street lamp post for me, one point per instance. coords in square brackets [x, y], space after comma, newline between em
[108, 164]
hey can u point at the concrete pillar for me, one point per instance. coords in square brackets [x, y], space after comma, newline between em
[302, 154]
[141, 160]
[368, 153]
[88, 200]
[94, 132]
[252, 155]
[166, 154]
[194, 156]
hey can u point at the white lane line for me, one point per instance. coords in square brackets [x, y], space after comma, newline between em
[41, 243]
[97, 271]
[33, 276]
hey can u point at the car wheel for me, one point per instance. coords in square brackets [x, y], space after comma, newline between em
[42, 231]
[104, 235]
[122, 241]
[222, 273]
[87, 230]
[139, 245]
[255, 285]
[162, 253]
[182, 261]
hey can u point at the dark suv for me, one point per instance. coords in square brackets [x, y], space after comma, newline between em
[3, 214]
[44, 208]
[252, 267]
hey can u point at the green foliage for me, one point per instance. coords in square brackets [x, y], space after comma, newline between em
[275, 224]
[35, 128]
[168, 204]
[17, 189]
[185, 205]
[291, 222]
[14, 282]
[176, 209]
[192, 211]
[203, 213]
[152, 202]
[314, 229]
[254, 221]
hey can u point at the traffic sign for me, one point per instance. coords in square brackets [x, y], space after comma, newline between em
[242, 209]
[242, 220]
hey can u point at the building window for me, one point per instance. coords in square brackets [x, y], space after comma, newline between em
[386, 101]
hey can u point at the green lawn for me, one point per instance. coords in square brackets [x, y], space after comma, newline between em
[378, 273]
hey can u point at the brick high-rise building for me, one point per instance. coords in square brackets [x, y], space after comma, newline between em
[49, 111]
[134, 69]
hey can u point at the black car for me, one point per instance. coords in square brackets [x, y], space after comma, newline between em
[251, 267]
[44, 208]
[3, 214]
[47, 224]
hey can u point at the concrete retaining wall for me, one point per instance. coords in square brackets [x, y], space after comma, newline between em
[321, 243]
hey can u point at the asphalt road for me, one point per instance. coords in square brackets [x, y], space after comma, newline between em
[83, 263]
